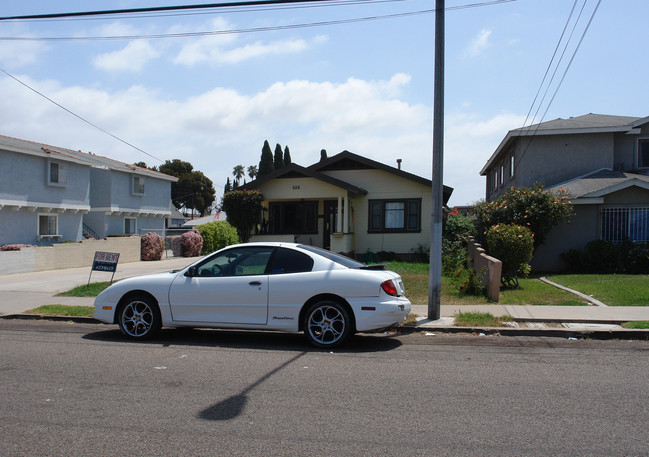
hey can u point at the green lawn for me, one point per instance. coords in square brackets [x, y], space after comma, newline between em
[63, 310]
[87, 290]
[531, 292]
[612, 290]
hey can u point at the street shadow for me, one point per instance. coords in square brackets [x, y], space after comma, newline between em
[233, 406]
[244, 339]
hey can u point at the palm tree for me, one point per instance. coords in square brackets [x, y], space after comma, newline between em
[238, 172]
[252, 171]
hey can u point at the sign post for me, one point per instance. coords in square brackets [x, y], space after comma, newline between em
[105, 261]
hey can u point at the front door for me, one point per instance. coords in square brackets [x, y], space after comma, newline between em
[330, 219]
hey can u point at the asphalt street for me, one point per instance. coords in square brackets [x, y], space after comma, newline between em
[80, 389]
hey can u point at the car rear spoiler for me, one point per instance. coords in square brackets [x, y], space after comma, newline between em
[381, 266]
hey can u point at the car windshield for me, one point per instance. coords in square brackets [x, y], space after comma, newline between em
[339, 259]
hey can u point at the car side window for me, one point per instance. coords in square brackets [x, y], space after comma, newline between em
[244, 261]
[290, 261]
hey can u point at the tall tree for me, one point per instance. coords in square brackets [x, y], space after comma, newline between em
[278, 159]
[323, 154]
[253, 171]
[193, 190]
[266, 162]
[228, 186]
[238, 172]
[287, 156]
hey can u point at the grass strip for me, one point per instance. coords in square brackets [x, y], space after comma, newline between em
[87, 290]
[63, 310]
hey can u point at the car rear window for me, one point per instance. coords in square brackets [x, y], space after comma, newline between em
[340, 259]
[290, 261]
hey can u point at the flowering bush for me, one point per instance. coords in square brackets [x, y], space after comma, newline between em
[14, 247]
[513, 245]
[530, 207]
[467, 282]
[191, 243]
[152, 246]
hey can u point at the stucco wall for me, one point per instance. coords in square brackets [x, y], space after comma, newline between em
[67, 255]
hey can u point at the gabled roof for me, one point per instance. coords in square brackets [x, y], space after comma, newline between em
[600, 183]
[349, 161]
[588, 123]
[69, 155]
[294, 170]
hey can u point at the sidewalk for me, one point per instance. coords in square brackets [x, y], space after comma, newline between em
[25, 291]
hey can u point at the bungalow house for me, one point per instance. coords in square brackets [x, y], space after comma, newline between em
[51, 194]
[600, 161]
[349, 204]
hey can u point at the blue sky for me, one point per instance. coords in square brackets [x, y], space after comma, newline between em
[365, 86]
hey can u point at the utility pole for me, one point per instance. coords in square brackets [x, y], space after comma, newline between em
[435, 269]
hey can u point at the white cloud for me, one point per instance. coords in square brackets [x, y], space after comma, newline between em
[221, 128]
[479, 43]
[131, 58]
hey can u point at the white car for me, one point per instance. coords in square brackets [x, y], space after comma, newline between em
[261, 286]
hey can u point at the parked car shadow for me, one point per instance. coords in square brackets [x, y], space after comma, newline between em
[244, 339]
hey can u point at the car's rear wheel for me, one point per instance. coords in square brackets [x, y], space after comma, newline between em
[139, 317]
[327, 324]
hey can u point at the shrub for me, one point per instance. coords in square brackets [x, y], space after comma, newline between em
[14, 247]
[191, 243]
[152, 246]
[454, 257]
[530, 207]
[458, 227]
[243, 208]
[513, 245]
[217, 235]
[608, 258]
[467, 282]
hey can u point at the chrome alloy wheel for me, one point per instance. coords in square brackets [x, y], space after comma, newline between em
[327, 325]
[137, 318]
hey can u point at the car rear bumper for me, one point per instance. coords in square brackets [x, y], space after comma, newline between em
[372, 314]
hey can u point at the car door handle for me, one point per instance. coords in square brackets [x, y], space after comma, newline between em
[255, 283]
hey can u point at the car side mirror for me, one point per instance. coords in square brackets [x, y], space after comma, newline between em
[191, 272]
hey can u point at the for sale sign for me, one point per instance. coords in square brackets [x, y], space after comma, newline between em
[105, 261]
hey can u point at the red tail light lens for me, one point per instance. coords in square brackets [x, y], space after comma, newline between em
[389, 288]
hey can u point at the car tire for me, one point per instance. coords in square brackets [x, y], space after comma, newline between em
[327, 324]
[139, 317]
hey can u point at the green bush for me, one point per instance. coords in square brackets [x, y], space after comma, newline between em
[609, 258]
[454, 257]
[243, 208]
[458, 227]
[513, 245]
[468, 283]
[217, 235]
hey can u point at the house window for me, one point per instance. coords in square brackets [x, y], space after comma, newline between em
[395, 215]
[502, 174]
[643, 153]
[130, 225]
[138, 185]
[511, 164]
[56, 174]
[48, 225]
[619, 224]
[293, 217]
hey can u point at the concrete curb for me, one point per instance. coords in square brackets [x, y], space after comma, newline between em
[595, 334]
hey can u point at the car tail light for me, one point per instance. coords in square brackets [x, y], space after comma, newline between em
[389, 288]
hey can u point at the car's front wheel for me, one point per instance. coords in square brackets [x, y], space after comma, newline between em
[139, 317]
[327, 324]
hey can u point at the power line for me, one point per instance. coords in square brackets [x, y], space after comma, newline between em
[255, 29]
[77, 116]
[565, 72]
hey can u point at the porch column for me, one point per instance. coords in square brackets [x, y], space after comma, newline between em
[346, 216]
[339, 219]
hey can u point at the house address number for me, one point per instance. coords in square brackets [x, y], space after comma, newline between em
[296, 187]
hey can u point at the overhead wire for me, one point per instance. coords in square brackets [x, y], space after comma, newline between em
[526, 132]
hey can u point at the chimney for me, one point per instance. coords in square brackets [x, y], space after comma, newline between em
[399, 163]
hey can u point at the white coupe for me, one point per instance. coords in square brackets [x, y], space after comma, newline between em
[269, 286]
